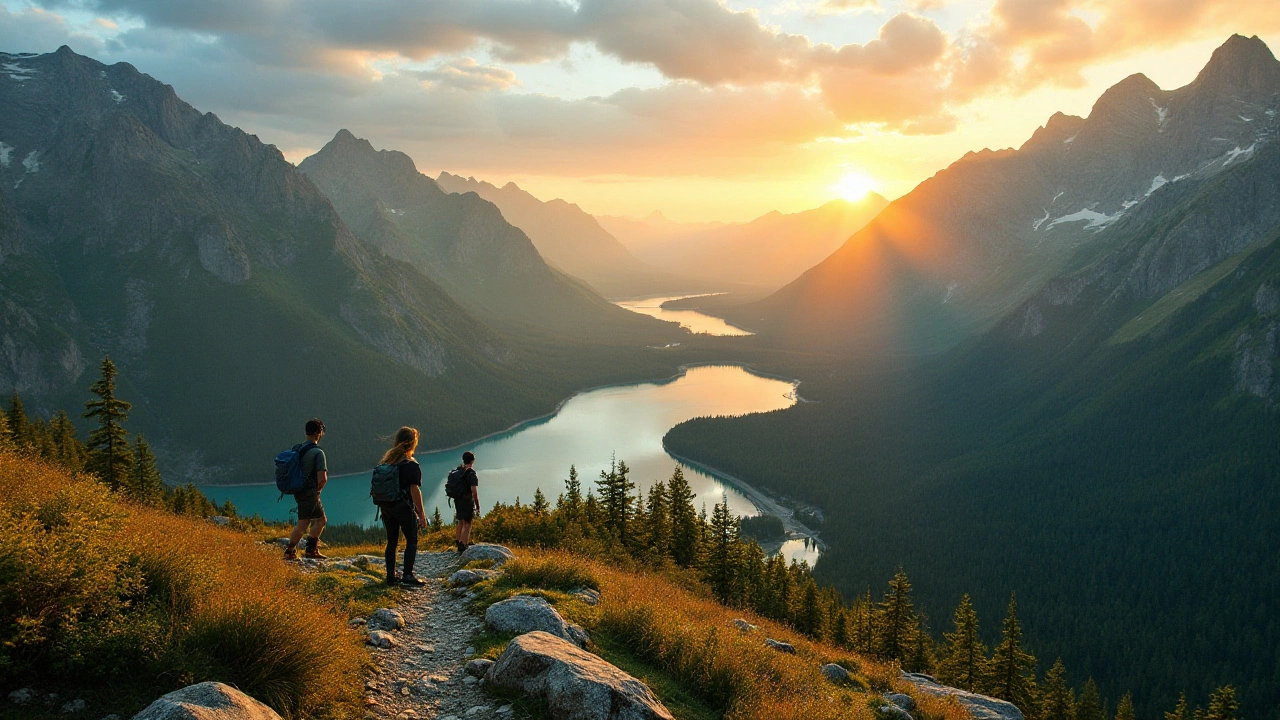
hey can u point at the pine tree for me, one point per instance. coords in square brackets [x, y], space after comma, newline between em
[811, 615]
[895, 620]
[964, 662]
[70, 453]
[1124, 710]
[109, 454]
[540, 506]
[1179, 711]
[1090, 705]
[685, 529]
[1056, 701]
[1013, 668]
[719, 561]
[436, 521]
[921, 658]
[6, 438]
[658, 537]
[840, 627]
[571, 504]
[1223, 704]
[19, 432]
[615, 499]
[144, 482]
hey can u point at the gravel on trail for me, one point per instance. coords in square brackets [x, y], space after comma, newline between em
[423, 675]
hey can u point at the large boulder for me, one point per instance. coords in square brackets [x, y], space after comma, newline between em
[575, 684]
[979, 707]
[889, 711]
[487, 551]
[780, 646]
[207, 701]
[840, 676]
[526, 613]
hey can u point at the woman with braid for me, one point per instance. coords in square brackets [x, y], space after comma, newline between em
[406, 514]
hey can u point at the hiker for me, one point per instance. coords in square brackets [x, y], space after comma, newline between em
[461, 487]
[315, 471]
[396, 488]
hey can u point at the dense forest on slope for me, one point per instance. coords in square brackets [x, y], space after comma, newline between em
[1125, 490]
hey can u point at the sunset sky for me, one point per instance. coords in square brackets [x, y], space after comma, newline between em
[702, 109]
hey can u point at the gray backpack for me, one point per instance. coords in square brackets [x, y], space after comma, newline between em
[385, 486]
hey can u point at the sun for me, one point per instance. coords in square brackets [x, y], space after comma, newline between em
[853, 186]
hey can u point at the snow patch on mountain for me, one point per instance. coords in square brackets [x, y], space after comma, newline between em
[1035, 224]
[1070, 140]
[116, 96]
[1162, 115]
[32, 161]
[1232, 155]
[1093, 218]
[18, 72]
[5, 152]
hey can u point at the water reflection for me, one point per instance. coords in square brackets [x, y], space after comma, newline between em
[692, 320]
[626, 421]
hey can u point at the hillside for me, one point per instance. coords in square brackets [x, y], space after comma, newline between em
[1107, 450]
[767, 252]
[233, 296]
[969, 244]
[571, 240]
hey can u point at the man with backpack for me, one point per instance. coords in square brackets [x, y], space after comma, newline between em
[315, 475]
[462, 488]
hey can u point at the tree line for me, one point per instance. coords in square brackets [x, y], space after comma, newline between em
[124, 466]
[662, 529]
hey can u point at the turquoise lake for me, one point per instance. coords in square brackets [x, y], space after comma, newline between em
[624, 421]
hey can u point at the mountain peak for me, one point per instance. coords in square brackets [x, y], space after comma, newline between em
[1242, 64]
[345, 138]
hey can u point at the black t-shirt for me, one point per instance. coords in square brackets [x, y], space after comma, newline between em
[410, 474]
[473, 480]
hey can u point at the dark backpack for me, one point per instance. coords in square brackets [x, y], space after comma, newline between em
[290, 479]
[385, 485]
[456, 486]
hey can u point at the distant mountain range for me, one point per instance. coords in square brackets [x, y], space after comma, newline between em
[968, 245]
[766, 253]
[572, 240]
[237, 301]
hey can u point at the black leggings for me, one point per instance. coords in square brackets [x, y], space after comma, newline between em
[398, 519]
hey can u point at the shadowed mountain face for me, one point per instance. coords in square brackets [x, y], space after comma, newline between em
[767, 252]
[460, 241]
[972, 242]
[571, 240]
[232, 296]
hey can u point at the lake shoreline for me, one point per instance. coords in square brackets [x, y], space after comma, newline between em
[682, 370]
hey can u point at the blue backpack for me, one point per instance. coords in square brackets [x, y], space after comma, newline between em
[289, 477]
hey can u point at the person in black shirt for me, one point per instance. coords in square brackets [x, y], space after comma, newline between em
[406, 514]
[469, 506]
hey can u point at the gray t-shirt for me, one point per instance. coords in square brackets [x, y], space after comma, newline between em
[313, 461]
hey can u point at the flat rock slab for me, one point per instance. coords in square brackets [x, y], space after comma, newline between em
[526, 613]
[207, 701]
[575, 684]
[487, 551]
[464, 578]
[979, 707]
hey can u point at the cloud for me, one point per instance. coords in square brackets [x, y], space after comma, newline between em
[469, 75]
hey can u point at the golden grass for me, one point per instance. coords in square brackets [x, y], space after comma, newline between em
[122, 594]
[692, 641]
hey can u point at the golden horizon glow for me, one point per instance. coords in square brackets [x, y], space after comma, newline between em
[854, 186]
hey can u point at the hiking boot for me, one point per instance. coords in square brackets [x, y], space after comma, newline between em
[312, 552]
[458, 544]
[393, 580]
[412, 581]
[291, 554]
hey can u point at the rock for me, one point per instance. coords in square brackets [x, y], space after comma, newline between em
[221, 520]
[780, 646]
[112, 716]
[206, 701]
[381, 638]
[74, 706]
[575, 684]
[22, 696]
[835, 673]
[744, 626]
[386, 619]
[469, 651]
[355, 621]
[587, 595]
[476, 710]
[486, 551]
[471, 577]
[469, 680]
[906, 702]
[979, 707]
[525, 613]
[282, 542]
[893, 712]
[478, 667]
[407, 715]
[503, 709]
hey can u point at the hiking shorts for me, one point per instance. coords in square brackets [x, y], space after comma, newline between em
[309, 507]
[466, 512]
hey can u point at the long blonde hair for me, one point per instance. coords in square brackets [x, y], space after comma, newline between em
[404, 443]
